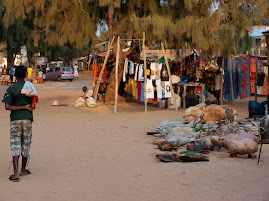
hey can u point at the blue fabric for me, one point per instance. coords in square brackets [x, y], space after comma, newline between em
[130, 67]
[136, 92]
[185, 79]
[255, 108]
[142, 92]
[243, 67]
[230, 63]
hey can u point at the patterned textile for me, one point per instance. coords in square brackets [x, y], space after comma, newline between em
[240, 77]
[20, 137]
[252, 69]
[243, 67]
[227, 83]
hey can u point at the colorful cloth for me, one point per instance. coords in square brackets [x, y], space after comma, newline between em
[142, 92]
[243, 67]
[230, 64]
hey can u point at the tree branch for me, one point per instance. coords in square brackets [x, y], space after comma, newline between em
[82, 10]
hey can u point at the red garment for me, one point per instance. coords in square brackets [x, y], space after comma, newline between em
[105, 73]
[138, 86]
[35, 100]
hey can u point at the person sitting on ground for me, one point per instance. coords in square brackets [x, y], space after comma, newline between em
[85, 91]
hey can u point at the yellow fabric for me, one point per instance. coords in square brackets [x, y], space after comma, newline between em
[29, 71]
[133, 83]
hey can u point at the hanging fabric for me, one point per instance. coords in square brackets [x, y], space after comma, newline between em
[164, 73]
[153, 69]
[159, 89]
[136, 66]
[149, 89]
[141, 73]
[125, 70]
[243, 66]
[167, 89]
[230, 64]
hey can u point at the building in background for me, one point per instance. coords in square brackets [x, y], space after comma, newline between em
[258, 41]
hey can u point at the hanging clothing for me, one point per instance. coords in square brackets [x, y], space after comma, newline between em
[138, 86]
[149, 89]
[243, 66]
[136, 66]
[164, 73]
[153, 69]
[159, 89]
[142, 92]
[141, 73]
[125, 70]
[167, 89]
[133, 83]
[158, 68]
[260, 66]
[229, 64]
[260, 79]
[217, 82]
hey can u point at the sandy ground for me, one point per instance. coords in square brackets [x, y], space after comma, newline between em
[81, 154]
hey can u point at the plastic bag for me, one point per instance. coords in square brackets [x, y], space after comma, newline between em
[28, 89]
[180, 140]
[90, 102]
[80, 102]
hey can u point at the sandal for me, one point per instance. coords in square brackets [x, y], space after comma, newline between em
[12, 179]
[25, 173]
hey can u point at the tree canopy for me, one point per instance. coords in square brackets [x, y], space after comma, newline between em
[208, 25]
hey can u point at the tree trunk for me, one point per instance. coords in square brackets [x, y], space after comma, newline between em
[36, 41]
[10, 57]
[110, 93]
[10, 54]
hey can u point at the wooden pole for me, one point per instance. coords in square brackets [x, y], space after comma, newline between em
[231, 80]
[102, 70]
[116, 76]
[145, 71]
[221, 82]
[169, 72]
[256, 79]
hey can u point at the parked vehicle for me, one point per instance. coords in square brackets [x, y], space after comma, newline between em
[60, 73]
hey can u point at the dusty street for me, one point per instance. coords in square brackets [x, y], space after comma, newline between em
[82, 154]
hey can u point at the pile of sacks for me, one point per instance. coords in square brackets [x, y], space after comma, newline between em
[89, 101]
[210, 113]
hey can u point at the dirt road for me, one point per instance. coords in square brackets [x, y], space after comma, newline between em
[82, 154]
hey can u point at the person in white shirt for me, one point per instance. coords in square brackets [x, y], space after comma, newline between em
[76, 72]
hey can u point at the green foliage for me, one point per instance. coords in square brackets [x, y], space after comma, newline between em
[213, 26]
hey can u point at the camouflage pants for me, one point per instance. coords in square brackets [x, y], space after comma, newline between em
[20, 137]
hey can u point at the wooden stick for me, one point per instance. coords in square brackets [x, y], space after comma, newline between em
[116, 75]
[103, 68]
[169, 72]
[256, 79]
[231, 81]
[145, 71]
[221, 82]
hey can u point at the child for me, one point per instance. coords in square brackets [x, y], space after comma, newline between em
[40, 75]
[21, 119]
